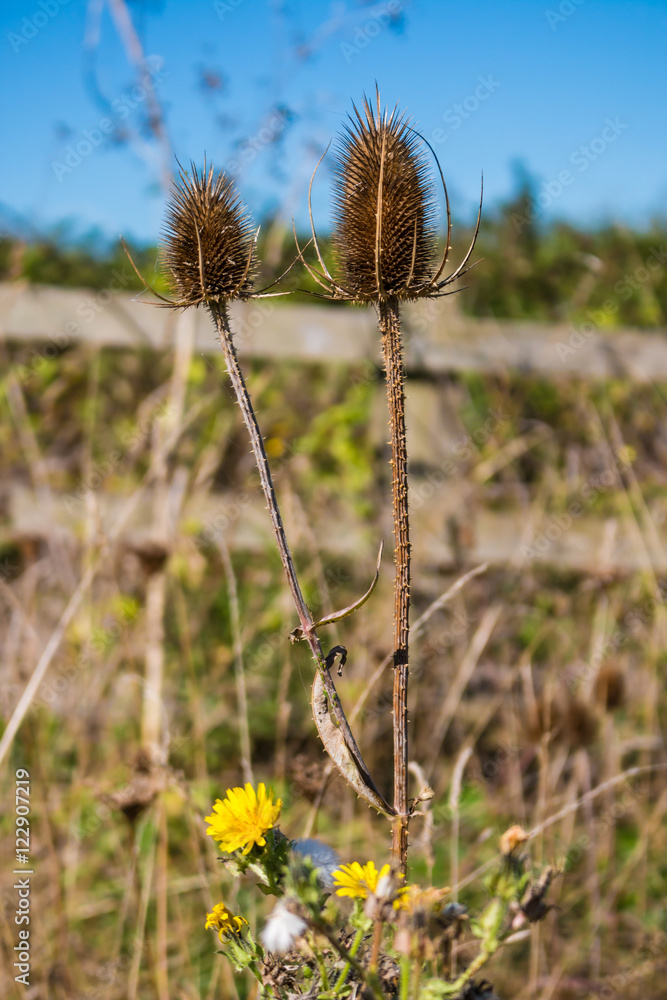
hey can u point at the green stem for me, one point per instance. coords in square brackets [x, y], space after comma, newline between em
[257, 974]
[356, 944]
[483, 957]
[369, 979]
[405, 978]
[417, 978]
[324, 976]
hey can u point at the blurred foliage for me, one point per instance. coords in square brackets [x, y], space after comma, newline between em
[94, 416]
[531, 269]
[528, 268]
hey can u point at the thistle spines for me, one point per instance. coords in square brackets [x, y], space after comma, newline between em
[208, 240]
[385, 213]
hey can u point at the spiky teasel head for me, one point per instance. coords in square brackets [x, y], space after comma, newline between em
[385, 214]
[385, 211]
[208, 245]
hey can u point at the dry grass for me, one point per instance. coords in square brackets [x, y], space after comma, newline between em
[176, 640]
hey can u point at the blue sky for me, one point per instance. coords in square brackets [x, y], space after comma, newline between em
[575, 90]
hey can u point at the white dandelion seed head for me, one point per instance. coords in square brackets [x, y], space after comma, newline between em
[282, 929]
[323, 858]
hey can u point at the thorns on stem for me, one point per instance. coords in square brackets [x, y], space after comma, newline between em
[385, 238]
[209, 252]
[391, 346]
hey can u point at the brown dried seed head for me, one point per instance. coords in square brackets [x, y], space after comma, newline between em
[385, 212]
[208, 246]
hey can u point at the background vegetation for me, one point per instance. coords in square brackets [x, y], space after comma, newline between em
[534, 687]
[533, 268]
[554, 706]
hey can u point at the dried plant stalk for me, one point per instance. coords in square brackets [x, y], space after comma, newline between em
[239, 669]
[209, 253]
[391, 346]
[367, 787]
[151, 716]
[385, 237]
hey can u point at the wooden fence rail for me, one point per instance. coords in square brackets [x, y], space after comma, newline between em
[452, 526]
[439, 338]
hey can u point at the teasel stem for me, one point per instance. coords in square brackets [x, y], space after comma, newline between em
[393, 362]
[221, 319]
[385, 238]
[208, 252]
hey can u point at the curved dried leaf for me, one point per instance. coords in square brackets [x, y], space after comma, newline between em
[337, 616]
[342, 757]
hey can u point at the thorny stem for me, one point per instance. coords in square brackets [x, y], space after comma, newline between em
[393, 361]
[221, 319]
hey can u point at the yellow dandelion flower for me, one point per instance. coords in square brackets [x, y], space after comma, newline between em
[242, 819]
[223, 921]
[358, 881]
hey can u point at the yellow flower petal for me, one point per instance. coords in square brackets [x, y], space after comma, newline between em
[358, 881]
[224, 921]
[243, 817]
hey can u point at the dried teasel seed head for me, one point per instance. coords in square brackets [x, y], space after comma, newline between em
[208, 242]
[385, 210]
